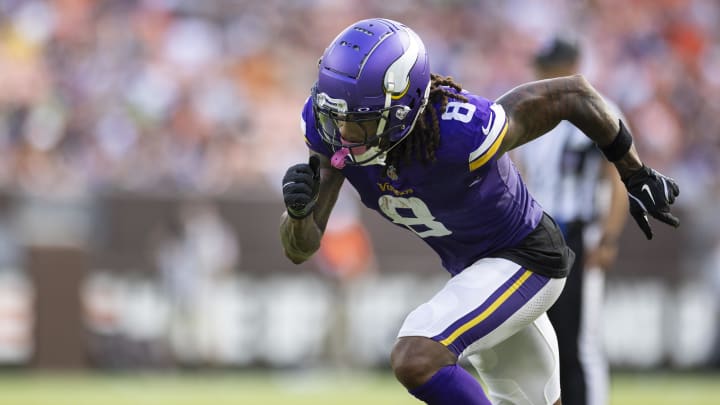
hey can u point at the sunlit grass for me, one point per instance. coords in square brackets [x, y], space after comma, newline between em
[665, 389]
[297, 388]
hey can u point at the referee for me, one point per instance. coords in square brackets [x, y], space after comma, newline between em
[570, 178]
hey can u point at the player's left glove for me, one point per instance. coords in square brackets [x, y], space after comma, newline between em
[651, 193]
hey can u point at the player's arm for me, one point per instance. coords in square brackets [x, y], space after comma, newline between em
[535, 108]
[310, 191]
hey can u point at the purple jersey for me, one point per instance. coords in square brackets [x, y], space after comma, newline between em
[467, 204]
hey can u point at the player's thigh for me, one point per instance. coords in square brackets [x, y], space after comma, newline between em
[523, 369]
[483, 305]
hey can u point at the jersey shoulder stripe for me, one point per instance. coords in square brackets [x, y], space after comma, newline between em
[495, 133]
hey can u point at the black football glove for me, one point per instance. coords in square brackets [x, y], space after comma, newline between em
[651, 193]
[300, 187]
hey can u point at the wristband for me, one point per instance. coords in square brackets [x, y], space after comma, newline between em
[619, 146]
[293, 215]
[302, 212]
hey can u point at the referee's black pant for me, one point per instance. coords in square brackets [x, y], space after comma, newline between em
[565, 316]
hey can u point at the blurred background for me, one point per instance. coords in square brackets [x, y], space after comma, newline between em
[142, 144]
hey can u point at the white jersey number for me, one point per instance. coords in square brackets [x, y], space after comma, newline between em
[414, 214]
[456, 110]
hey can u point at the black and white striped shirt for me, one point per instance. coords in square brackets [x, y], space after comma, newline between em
[563, 170]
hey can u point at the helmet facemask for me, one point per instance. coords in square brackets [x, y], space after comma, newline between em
[381, 128]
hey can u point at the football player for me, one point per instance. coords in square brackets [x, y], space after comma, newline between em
[431, 157]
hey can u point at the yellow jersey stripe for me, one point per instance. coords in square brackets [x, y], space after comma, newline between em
[492, 130]
[488, 311]
[482, 159]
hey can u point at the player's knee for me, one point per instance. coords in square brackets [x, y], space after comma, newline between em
[414, 360]
[412, 371]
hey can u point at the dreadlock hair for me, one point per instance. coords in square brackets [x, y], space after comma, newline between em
[425, 137]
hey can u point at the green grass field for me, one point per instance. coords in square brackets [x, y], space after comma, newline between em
[330, 388]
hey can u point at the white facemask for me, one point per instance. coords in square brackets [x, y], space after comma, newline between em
[370, 152]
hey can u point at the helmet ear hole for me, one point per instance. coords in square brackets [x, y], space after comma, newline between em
[402, 112]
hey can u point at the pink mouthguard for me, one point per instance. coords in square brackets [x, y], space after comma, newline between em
[338, 158]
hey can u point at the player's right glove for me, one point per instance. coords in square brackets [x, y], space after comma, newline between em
[651, 193]
[300, 187]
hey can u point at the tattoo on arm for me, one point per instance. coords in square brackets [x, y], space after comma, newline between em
[330, 184]
[537, 107]
[301, 238]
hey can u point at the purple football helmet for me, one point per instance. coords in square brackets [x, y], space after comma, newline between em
[375, 70]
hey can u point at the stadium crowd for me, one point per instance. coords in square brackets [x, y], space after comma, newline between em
[141, 94]
[188, 96]
[183, 95]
